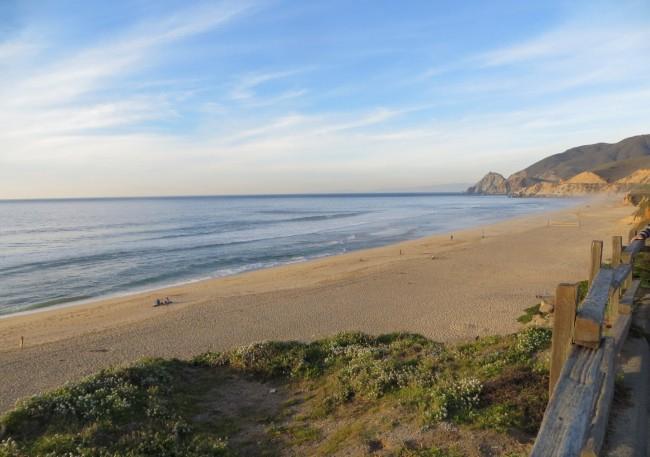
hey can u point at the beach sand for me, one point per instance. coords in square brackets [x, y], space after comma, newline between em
[444, 289]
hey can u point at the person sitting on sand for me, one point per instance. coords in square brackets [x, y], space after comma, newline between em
[158, 302]
[167, 301]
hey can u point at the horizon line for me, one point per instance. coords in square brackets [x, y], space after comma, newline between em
[307, 194]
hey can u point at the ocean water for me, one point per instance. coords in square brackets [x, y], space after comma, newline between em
[60, 251]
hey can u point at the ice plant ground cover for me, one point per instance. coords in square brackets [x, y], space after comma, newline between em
[397, 394]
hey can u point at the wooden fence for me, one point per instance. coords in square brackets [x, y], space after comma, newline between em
[585, 347]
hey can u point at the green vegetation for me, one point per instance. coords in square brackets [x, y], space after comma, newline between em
[431, 452]
[583, 288]
[352, 393]
[126, 409]
[529, 313]
[642, 269]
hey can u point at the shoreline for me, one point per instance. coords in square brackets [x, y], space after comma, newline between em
[89, 301]
[448, 290]
[154, 289]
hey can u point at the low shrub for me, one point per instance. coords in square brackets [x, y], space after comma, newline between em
[118, 412]
[496, 382]
[454, 399]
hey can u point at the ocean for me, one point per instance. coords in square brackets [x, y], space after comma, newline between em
[61, 251]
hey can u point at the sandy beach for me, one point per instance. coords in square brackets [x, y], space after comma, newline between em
[476, 284]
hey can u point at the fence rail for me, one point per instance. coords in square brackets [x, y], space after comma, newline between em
[585, 347]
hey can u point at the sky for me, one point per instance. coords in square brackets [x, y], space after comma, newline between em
[144, 97]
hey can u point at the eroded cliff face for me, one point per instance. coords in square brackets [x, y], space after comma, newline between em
[639, 177]
[491, 184]
[584, 183]
[561, 189]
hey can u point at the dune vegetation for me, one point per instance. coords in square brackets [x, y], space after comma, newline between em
[397, 394]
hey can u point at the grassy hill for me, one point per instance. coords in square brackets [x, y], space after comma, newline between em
[353, 394]
[613, 161]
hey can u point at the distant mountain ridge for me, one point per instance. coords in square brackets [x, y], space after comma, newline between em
[600, 167]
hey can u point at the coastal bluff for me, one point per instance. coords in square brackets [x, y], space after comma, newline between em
[583, 170]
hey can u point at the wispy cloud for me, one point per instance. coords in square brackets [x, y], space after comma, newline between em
[16, 49]
[571, 41]
[89, 68]
[64, 96]
[572, 56]
[245, 88]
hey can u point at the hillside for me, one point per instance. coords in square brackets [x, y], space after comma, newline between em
[615, 171]
[580, 170]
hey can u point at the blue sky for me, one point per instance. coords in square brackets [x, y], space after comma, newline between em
[145, 97]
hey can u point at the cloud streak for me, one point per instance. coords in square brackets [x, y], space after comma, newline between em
[63, 95]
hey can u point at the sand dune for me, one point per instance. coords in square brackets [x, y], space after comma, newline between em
[476, 284]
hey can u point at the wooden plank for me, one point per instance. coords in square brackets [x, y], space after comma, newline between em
[612, 312]
[620, 275]
[634, 247]
[596, 259]
[617, 250]
[567, 420]
[612, 347]
[591, 314]
[598, 426]
[564, 314]
[627, 300]
[613, 308]
[643, 249]
[637, 243]
[620, 331]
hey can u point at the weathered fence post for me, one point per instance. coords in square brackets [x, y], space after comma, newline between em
[596, 259]
[613, 305]
[617, 250]
[627, 258]
[566, 302]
